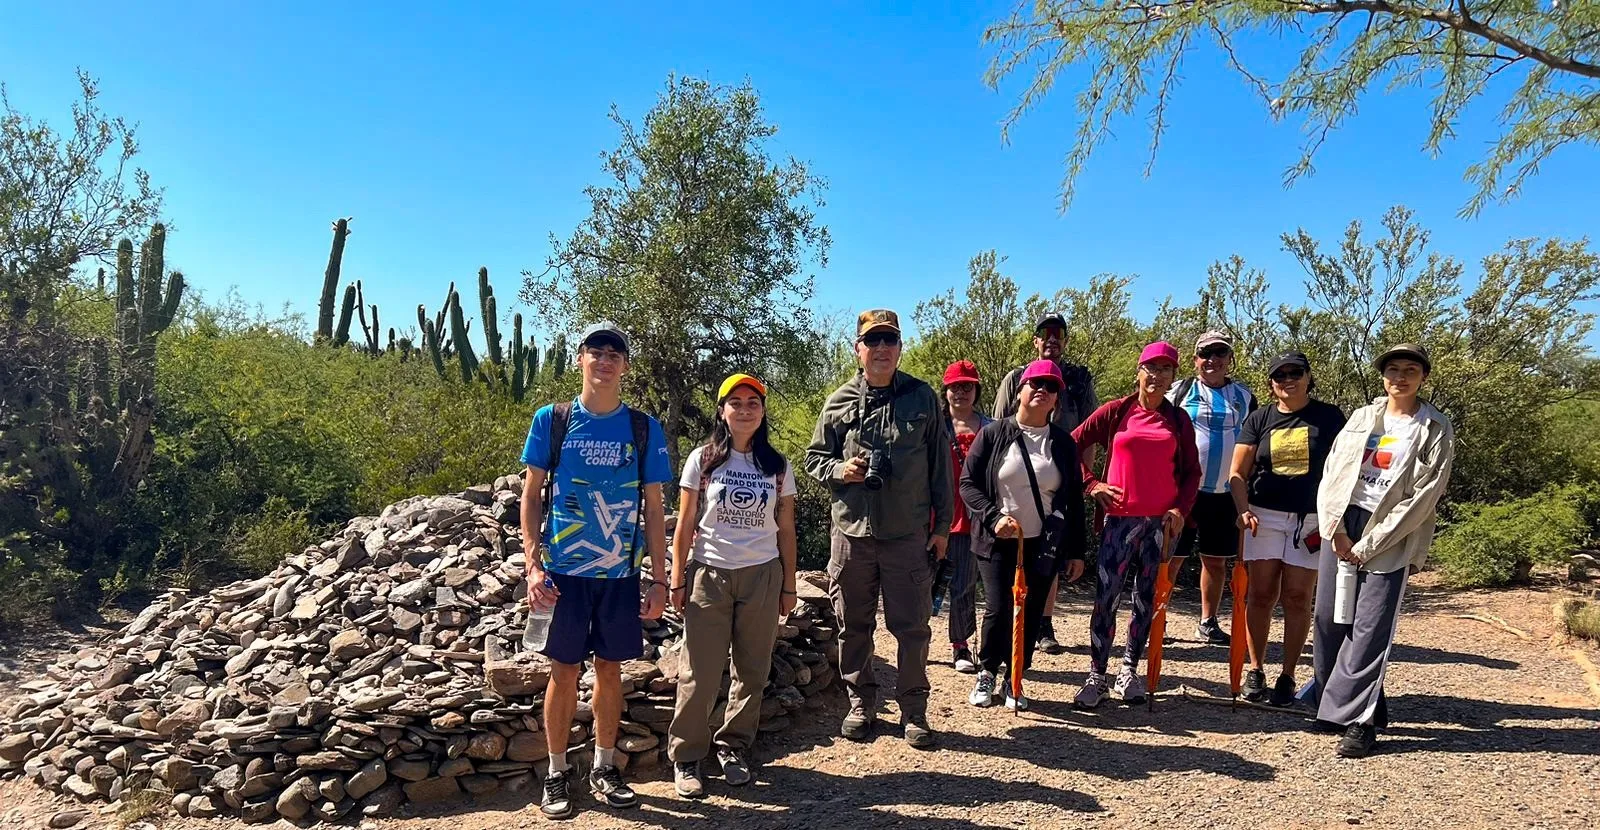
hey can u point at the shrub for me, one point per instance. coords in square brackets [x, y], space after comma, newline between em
[1579, 618]
[259, 541]
[1495, 544]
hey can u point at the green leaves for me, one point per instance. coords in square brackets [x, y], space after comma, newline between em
[1133, 51]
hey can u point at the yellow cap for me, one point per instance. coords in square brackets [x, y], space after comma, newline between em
[736, 380]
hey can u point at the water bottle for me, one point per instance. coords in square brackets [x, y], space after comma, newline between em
[1344, 594]
[941, 583]
[538, 630]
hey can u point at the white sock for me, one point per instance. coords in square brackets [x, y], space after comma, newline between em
[604, 757]
[558, 762]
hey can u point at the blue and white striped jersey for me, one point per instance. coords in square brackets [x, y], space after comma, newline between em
[1218, 415]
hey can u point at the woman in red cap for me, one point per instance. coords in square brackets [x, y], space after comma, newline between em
[1023, 484]
[733, 559]
[963, 420]
[1152, 477]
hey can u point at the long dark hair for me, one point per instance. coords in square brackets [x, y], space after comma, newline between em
[715, 451]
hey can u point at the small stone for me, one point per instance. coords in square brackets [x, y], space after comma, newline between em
[67, 818]
[383, 802]
[480, 784]
[295, 800]
[349, 645]
[370, 778]
[432, 790]
[454, 767]
[487, 746]
[201, 806]
[527, 747]
[527, 675]
[409, 770]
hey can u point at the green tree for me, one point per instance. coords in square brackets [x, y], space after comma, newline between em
[65, 198]
[699, 248]
[1542, 57]
[988, 325]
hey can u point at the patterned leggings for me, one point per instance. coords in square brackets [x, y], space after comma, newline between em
[1127, 542]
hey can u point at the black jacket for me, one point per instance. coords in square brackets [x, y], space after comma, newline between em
[979, 487]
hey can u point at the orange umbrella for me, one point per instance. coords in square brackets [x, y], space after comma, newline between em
[1019, 597]
[1158, 628]
[1236, 648]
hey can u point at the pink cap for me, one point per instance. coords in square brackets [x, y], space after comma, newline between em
[1042, 369]
[1159, 350]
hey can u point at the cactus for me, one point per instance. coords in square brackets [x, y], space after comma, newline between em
[330, 281]
[369, 333]
[519, 377]
[532, 356]
[144, 310]
[491, 321]
[557, 360]
[459, 329]
[341, 335]
[430, 339]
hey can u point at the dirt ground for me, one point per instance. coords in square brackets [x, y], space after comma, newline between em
[1490, 730]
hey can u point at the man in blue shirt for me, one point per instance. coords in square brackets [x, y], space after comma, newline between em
[1216, 404]
[585, 553]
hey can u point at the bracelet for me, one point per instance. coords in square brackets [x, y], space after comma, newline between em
[787, 593]
[680, 587]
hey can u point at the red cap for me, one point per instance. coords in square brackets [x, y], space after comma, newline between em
[961, 371]
[1042, 369]
[1159, 350]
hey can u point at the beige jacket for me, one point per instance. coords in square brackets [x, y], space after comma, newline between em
[1401, 529]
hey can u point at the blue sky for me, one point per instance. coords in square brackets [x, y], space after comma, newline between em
[464, 138]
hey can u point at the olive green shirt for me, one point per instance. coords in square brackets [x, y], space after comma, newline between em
[903, 417]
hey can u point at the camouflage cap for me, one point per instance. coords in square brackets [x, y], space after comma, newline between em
[877, 318]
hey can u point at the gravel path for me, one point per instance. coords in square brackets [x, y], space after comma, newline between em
[1491, 730]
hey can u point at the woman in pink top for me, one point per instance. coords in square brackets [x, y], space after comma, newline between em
[1152, 476]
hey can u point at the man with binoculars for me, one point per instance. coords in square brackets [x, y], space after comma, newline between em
[881, 449]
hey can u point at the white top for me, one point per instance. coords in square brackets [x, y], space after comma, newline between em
[739, 513]
[1387, 454]
[1016, 494]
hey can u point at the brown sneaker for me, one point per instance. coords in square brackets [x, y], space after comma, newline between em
[917, 733]
[857, 725]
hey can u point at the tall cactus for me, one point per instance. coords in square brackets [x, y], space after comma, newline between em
[144, 310]
[369, 333]
[459, 327]
[330, 281]
[491, 321]
[557, 359]
[430, 339]
[341, 335]
[519, 377]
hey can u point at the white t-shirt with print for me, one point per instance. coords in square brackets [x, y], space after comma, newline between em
[1386, 456]
[739, 513]
[1016, 492]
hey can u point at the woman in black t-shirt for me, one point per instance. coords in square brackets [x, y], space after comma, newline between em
[1277, 465]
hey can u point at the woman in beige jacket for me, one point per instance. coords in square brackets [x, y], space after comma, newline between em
[1377, 503]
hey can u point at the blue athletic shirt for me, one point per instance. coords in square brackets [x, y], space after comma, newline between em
[1218, 415]
[594, 512]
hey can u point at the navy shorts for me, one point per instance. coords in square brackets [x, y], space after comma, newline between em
[598, 617]
[1212, 529]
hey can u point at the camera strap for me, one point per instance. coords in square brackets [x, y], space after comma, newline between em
[861, 409]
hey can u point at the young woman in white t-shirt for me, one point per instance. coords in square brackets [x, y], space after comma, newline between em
[733, 562]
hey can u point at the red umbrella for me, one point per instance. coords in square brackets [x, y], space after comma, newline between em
[1236, 649]
[1019, 597]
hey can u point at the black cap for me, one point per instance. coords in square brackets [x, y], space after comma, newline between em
[1405, 351]
[1053, 318]
[1288, 359]
[605, 330]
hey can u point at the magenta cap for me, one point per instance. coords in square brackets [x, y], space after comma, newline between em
[1042, 369]
[1159, 350]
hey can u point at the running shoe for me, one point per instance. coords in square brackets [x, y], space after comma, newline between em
[963, 660]
[1093, 692]
[557, 801]
[983, 691]
[1129, 685]
[687, 781]
[607, 785]
[1209, 631]
[1255, 685]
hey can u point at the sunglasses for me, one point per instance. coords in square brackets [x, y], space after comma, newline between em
[1214, 352]
[1046, 384]
[1288, 374]
[873, 340]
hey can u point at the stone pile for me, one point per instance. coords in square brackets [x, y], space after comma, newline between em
[380, 667]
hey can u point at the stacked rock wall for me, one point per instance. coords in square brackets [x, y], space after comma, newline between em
[379, 667]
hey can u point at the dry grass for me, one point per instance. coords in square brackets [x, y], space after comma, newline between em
[1580, 618]
[140, 806]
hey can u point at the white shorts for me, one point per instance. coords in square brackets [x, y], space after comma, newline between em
[1281, 536]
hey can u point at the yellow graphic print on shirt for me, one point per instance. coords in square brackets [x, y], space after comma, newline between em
[1291, 451]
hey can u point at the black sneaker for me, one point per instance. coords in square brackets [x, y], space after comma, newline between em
[1210, 632]
[963, 662]
[1255, 685]
[1282, 691]
[606, 784]
[1358, 741]
[1047, 638]
[857, 726]
[557, 801]
[735, 769]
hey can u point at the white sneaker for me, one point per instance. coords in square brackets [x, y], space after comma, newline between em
[1129, 685]
[1093, 692]
[1016, 704]
[983, 691]
[963, 661]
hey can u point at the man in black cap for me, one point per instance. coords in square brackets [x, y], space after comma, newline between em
[1075, 403]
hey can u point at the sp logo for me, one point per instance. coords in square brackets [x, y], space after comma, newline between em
[741, 498]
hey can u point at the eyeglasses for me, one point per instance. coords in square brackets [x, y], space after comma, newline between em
[1047, 384]
[1158, 368]
[1214, 352]
[874, 339]
[1288, 374]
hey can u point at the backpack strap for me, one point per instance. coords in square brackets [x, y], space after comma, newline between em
[560, 419]
[1182, 392]
[640, 423]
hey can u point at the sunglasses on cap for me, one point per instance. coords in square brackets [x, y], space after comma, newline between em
[874, 339]
[1290, 373]
[1047, 384]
